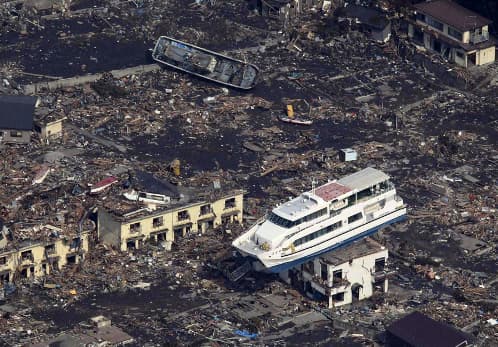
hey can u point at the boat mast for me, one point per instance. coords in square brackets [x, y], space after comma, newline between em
[313, 184]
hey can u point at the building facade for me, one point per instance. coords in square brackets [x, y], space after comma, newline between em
[49, 129]
[345, 275]
[130, 230]
[456, 33]
[31, 260]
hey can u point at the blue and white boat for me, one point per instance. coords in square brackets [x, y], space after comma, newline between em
[323, 219]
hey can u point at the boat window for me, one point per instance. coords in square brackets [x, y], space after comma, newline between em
[289, 224]
[312, 216]
[351, 200]
[317, 234]
[365, 193]
[276, 219]
[354, 217]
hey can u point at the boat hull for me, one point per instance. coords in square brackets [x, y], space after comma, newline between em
[163, 60]
[295, 121]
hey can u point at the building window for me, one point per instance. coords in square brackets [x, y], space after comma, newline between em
[3, 260]
[337, 277]
[71, 259]
[324, 272]
[338, 297]
[183, 215]
[50, 249]
[27, 255]
[15, 133]
[157, 222]
[354, 218]
[131, 244]
[309, 267]
[420, 17]
[455, 33]
[460, 54]
[205, 209]
[76, 243]
[380, 264]
[435, 24]
[229, 203]
[135, 227]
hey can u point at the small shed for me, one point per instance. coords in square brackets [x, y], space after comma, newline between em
[348, 154]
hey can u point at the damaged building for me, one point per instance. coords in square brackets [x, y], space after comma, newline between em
[456, 33]
[16, 118]
[129, 229]
[32, 259]
[371, 21]
[48, 125]
[345, 275]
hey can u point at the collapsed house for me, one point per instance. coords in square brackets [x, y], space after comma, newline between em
[456, 33]
[370, 20]
[345, 275]
[129, 228]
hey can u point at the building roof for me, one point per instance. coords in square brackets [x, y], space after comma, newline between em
[419, 330]
[16, 111]
[453, 14]
[361, 248]
[367, 15]
[363, 179]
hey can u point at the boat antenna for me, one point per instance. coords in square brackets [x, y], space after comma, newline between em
[313, 184]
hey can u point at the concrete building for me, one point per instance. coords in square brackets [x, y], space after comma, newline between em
[16, 118]
[33, 259]
[345, 275]
[456, 33]
[48, 125]
[130, 229]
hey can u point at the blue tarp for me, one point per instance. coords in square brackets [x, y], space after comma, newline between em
[246, 333]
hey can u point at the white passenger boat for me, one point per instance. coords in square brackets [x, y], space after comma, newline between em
[323, 219]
